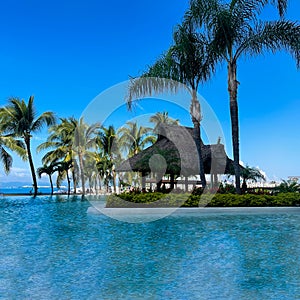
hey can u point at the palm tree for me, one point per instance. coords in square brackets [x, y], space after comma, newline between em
[84, 139]
[162, 118]
[187, 64]
[104, 168]
[248, 173]
[108, 142]
[49, 170]
[234, 30]
[63, 168]
[19, 120]
[60, 141]
[91, 169]
[133, 137]
[288, 186]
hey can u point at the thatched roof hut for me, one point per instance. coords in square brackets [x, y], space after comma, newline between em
[175, 153]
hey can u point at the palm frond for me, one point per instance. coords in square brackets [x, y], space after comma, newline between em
[47, 118]
[273, 36]
[6, 159]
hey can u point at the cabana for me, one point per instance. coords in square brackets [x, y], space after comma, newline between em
[175, 154]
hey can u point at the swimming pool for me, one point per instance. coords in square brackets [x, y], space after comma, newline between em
[52, 249]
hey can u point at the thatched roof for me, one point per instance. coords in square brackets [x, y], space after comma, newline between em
[175, 152]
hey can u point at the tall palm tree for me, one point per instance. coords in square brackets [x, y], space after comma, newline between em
[133, 137]
[19, 120]
[162, 118]
[187, 64]
[49, 170]
[234, 29]
[84, 140]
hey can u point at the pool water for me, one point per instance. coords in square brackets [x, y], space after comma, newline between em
[52, 249]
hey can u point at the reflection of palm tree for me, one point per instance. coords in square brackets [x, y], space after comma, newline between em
[235, 31]
[19, 120]
[134, 137]
[187, 64]
[162, 118]
[49, 170]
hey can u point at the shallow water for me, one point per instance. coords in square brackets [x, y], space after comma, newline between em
[52, 249]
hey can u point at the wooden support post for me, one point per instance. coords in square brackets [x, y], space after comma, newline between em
[215, 180]
[186, 180]
[172, 181]
[143, 182]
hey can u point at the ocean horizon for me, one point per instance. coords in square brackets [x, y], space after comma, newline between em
[28, 189]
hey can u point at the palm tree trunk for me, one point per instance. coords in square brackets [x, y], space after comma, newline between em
[69, 184]
[232, 89]
[172, 181]
[51, 184]
[27, 143]
[74, 180]
[113, 174]
[100, 187]
[82, 173]
[114, 181]
[196, 117]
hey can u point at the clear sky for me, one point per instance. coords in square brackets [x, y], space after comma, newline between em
[67, 52]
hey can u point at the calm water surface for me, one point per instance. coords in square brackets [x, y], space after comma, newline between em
[53, 249]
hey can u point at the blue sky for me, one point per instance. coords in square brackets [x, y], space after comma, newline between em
[67, 52]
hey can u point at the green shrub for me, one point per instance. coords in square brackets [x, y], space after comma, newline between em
[186, 200]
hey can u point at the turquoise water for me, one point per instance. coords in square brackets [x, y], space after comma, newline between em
[52, 249]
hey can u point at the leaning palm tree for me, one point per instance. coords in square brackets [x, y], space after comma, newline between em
[234, 29]
[133, 137]
[19, 120]
[185, 65]
[49, 170]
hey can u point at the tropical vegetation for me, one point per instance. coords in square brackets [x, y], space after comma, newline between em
[234, 31]
[19, 120]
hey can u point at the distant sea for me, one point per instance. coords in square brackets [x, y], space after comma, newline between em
[26, 189]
